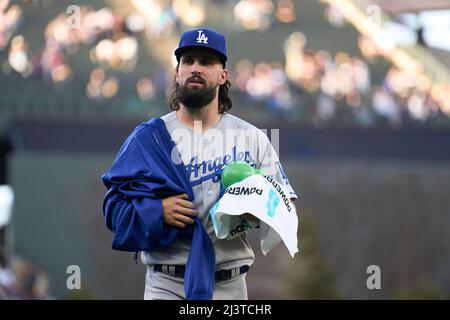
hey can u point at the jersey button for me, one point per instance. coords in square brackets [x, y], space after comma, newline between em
[210, 192]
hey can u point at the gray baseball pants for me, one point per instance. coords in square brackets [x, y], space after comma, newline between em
[160, 286]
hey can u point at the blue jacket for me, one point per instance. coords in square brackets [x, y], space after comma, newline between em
[143, 174]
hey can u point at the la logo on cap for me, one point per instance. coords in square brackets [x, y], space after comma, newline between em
[202, 37]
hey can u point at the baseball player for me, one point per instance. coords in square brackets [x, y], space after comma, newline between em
[207, 138]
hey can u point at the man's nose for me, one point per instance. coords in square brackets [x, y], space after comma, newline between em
[196, 68]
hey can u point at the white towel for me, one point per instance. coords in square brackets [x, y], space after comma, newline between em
[267, 200]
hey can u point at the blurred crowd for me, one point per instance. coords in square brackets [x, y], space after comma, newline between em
[262, 14]
[22, 280]
[9, 20]
[337, 90]
[313, 88]
[110, 35]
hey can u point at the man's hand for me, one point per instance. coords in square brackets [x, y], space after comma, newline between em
[178, 211]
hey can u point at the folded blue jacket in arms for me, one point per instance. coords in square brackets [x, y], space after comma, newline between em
[142, 175]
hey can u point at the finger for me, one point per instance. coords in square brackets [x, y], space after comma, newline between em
[182, 196]
[173, 222]
[183, 219]
[179, 224]
[186, 211]
[186, 204]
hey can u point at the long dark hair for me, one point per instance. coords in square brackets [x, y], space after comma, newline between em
[225, 101]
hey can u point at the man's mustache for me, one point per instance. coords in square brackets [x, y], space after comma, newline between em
[197, 79]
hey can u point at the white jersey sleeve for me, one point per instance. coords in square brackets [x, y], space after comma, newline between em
[269, 163]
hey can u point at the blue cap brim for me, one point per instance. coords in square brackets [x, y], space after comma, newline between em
[179, 52]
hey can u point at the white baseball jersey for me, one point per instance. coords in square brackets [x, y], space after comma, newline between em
[204, 156]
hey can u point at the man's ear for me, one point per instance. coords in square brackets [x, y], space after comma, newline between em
[176, 74]
[223, 77]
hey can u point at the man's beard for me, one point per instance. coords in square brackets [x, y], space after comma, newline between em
[196, 98]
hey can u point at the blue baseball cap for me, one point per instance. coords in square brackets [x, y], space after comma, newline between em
[204, 38]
